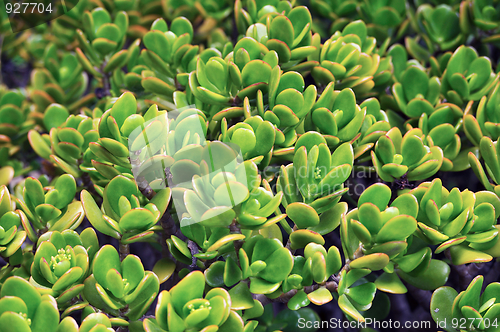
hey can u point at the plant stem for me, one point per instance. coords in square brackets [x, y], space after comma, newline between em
[106, 85]
[1, 47]
[193, 248]
[124, 250]
[285, 297]
[289, 242]
[145, 188]
[234, 228]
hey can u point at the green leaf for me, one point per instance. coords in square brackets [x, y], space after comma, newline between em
[241, 298]
[415, 82]
[14, 322]
[441, 306]
[232, 273]
[55, 115]
[189, 288]
[16, 286]
[302, 215]
[378, 194]
[373, 262]
[397, 228]
[390, 283]
[95, 215]
[433, 277]
[106, 259]
[46, 317]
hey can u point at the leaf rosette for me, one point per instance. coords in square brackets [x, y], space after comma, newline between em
[185, 308]
[116, 285]
[463, 222]
[49, 208]
[61, 263]
[24, 309]
[467, 76]
[395, 155]
[11, 237]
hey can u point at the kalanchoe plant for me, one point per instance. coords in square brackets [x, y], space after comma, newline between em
[255, 136]
[441, 129]
[266, 262]
[336, 115]
[375, 124]
[486, 14]
[103, 35]
[123, 216]
[13, 114]
[168, 52]
[488, 150]
[289, 103]
[288, 35]
[348, 58]
[384, 13]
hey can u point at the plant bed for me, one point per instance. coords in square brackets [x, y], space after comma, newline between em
[250, 166]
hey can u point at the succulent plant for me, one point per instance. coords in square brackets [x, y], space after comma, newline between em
[467, 76]
[484, 122]
[185, 307]
[348, 58]
[25, 310]
[266, 262]
[444, 135]
[68, 140]
[245, 153]
[123, 216]
[61, 81]
[385, 13]
[336, 115]
[10, 221]
[289, 103]
[486, 14]
[102, 34]
[432, 18]
[488, 149]
[255, 136]
[395, 156]
[287, 33]
[462, 222]
[480, 308]
[120, 285]
[382, 229]
[49, 208]
[61, 262]
[168, 51]
[315, 172]
[13, 114]
[416, 93]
